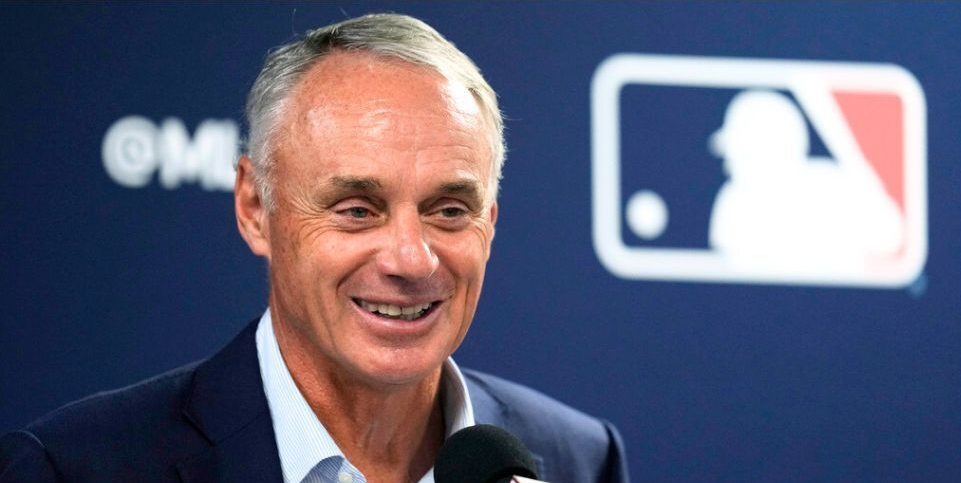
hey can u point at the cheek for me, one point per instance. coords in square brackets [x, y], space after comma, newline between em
[297, 258]
[304, 240]
[465, 255]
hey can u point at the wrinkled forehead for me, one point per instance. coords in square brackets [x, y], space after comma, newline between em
[372, 88]
[358, 105]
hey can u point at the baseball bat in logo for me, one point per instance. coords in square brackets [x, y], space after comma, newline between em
[779, 171]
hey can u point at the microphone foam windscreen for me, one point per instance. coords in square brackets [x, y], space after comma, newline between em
[483, 454]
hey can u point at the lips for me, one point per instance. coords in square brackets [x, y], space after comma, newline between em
[396, 312]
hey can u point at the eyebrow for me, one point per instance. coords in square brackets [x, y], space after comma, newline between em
[468, 188]
[356, 183]
[359, 183]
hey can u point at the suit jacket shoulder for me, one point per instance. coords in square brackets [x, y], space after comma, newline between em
[570, 446]
[125, 432]
[206, 421]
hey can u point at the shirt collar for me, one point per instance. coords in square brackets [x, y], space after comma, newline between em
[302, 441]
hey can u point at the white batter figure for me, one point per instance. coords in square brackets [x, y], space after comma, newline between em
[782, 209]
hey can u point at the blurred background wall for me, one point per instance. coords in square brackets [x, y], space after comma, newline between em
[810, 329]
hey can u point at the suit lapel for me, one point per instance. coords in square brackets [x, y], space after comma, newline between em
[488, 409]
[228, 407]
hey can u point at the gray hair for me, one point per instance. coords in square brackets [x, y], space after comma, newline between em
[389, 35]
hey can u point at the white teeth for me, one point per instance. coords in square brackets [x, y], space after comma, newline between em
[406, 313]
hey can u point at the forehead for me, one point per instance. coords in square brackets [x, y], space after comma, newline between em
[348, 76]
[371, 91]
[354, 106]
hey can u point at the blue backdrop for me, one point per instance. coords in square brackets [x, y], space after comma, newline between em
[112, 273]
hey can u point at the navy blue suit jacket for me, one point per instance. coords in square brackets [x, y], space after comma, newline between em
[209, 421]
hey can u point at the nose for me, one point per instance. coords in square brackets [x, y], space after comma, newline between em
[407, 254]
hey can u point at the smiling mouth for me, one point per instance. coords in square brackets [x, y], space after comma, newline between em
[396, 312]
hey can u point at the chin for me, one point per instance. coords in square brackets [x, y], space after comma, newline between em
[402, 368]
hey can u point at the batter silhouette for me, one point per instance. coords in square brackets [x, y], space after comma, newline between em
[783, 210]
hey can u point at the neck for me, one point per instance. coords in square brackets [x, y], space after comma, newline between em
[389, 432]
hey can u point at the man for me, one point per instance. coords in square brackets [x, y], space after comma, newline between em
[370, 187]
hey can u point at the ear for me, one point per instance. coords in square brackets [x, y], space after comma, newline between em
[250, 210]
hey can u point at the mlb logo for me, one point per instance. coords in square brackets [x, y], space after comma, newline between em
[758, 171]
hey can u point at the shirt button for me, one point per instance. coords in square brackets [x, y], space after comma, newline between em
[345, 477]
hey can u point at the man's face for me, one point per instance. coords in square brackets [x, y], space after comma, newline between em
[383, 220]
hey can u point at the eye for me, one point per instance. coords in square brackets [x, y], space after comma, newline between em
[451, 215]
[452, 212]
[358, 212]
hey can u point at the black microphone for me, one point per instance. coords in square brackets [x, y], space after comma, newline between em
[483, 454]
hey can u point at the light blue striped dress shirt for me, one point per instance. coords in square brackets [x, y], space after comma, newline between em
[307, 452]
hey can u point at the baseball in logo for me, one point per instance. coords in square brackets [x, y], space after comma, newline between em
[758, 171]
